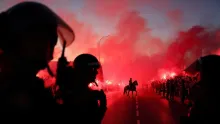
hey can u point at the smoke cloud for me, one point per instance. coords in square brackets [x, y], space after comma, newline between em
[131, 50]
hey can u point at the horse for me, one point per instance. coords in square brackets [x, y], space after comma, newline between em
[131, 88]
[126, 88]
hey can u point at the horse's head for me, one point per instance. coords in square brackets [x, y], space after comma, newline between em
[135, 83]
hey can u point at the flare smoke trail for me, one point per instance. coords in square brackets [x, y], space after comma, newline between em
[131, 50]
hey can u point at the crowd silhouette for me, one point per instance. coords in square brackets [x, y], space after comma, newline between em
[198, 91]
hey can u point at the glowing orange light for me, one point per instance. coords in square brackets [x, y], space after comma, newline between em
[108, 82]
[172, 74]
[164, 76]
[90, 85]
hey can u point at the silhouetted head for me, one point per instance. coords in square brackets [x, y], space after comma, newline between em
[86, 66]
[30, 32]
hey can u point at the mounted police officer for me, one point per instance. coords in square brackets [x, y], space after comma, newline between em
[130, 82]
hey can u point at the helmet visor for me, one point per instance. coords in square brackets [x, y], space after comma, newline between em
[65, 32]
[100, 76]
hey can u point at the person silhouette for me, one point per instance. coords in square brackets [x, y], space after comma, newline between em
[130, 82]
[205, 92]
[29, 32]
[87, 104]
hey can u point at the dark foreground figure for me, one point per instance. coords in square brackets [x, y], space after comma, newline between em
[28, 36]
[205, 96]
[84, 104]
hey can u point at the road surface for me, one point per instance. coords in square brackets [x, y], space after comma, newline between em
[146, 108]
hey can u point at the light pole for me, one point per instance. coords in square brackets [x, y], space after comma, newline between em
[99, 51]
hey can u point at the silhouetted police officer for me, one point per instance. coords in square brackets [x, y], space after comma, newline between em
[85, 104]
[28, 36]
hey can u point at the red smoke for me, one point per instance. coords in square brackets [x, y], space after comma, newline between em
[125, 56]
[125, 53]
[131, 51]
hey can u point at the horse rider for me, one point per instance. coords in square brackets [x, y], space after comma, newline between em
[130, 83]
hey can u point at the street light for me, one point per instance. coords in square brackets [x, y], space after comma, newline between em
[99, 45]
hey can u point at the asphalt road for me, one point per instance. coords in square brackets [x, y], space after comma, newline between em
[145, 108]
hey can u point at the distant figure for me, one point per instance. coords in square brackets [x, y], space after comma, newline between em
[131, 87]
[130, 82]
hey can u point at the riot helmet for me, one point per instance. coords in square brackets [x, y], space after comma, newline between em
[86, 61]
[88, 66]
[31, 31]
[27, 15]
